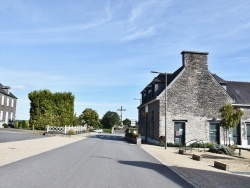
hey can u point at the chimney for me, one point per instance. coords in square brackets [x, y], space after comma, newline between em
[194, 60]
[6, 89]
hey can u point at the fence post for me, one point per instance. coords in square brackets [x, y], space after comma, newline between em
[47, 127]
[65, 131]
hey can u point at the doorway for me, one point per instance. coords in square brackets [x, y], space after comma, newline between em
[215, 132]
[179, 133]
[248, 133]
[236, 134]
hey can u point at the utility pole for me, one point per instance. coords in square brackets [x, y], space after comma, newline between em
[121, 113]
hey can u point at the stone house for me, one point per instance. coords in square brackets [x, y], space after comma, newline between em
[7, 105]
[194, 97]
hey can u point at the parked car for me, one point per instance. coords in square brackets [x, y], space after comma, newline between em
[98, 131]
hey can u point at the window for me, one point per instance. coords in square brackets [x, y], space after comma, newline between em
[7, 117]
[11, 116]
[8, 101]
[2, 103]
[12, 102]
[179, 133]
[1, 116]
[215, 132]
[156, 87]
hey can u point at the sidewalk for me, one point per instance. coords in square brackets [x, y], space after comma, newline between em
[198, 173]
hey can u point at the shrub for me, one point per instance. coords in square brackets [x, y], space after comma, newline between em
[16, 125]
[221, 149]
[71, 132]
[10, 125]
[5, 125]
[106, 130]
[132, 135]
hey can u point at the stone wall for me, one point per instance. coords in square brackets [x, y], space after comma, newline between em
[150, 120]
[194, 96]
[245, 119]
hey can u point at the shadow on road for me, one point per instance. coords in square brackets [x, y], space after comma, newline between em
[110, 137]
[159, 168]
[200, 178]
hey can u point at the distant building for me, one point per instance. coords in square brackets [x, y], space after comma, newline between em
[7, 105]
[194, 97]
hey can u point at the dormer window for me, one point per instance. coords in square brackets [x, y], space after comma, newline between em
[156, 87]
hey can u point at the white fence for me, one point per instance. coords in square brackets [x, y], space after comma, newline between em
[65, 129]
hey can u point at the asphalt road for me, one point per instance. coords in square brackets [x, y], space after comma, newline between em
[11, 135]
[103, 160]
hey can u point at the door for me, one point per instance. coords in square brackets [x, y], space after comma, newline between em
[179, 133]
[248, 134]
[215, 132]
[236, 134]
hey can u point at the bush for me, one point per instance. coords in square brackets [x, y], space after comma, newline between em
[16, 125]
[106, 130]
[132, 135]
[71, 132]
[221, 149]
[5, 125]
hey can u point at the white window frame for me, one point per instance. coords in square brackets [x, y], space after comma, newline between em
[7, 117]
[11, 116]
[8, 101]
[1, 116]
[156, 87]
[12, 102]
[2, 102]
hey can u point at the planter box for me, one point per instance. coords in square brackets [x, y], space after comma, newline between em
[136, 141]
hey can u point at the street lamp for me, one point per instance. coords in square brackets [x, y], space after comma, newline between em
[166, 79]
[138, 99]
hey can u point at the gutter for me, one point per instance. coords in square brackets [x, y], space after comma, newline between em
[154, 100]
[243, 105]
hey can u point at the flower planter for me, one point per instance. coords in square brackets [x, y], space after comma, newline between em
[134, 140]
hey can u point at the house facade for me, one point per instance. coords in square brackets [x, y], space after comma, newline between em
[194, 96]
[7, 105]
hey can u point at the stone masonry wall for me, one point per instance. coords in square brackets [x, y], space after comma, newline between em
[194, 96]
[245, 119]
[150, 121]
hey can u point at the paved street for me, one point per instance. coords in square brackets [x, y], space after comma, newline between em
[11, 135]
[100, 161]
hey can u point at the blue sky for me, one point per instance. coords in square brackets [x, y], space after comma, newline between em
[103, 50]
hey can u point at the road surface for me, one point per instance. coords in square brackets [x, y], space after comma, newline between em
[103, 160]
[11, 135]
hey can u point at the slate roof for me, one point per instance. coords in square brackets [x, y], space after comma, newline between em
[239, 91]
[161, 78]
[8, 94]
[219, 79]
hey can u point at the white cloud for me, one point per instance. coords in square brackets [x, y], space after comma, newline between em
[141, 34]
[18, 87]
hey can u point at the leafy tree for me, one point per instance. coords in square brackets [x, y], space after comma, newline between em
[24, 124]
[127, 122]
[230, 117]
[110, 119]
[47, 108]
[90, 117]
[76, 121]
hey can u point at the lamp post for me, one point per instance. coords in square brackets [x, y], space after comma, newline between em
[138, 100]
[166, 79]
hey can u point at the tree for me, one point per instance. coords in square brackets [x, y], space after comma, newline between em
[90, 117]
[110, 119]
[230, 117]
[46, 108]
[127, 122]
